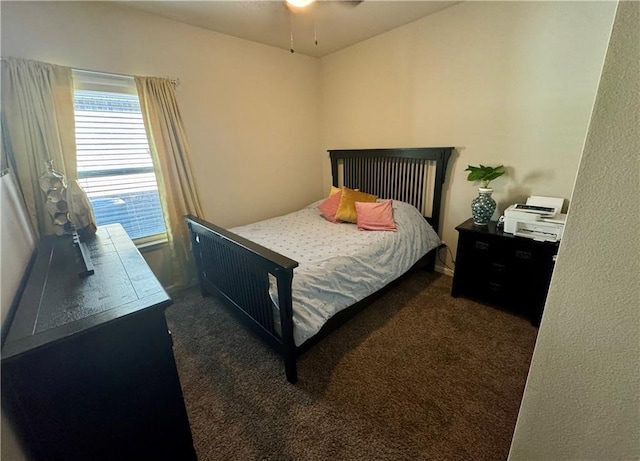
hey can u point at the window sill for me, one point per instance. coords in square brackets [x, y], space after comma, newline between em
[144, 245]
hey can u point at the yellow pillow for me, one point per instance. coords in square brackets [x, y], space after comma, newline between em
[334, 190]
[347, 208]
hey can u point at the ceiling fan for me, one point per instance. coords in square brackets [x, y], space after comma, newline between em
[295, 6]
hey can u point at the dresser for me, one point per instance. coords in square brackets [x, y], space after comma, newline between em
[502, 269]
[88, 371]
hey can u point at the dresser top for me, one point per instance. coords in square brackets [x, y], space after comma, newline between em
[58, 303]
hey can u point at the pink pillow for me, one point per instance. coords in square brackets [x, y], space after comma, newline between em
[376, 216]
[329, 207]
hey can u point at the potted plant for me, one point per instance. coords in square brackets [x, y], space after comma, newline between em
[483, 206]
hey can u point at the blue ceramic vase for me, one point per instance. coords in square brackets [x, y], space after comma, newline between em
[482, 207]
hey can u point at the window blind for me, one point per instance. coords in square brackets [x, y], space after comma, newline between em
[114, 163]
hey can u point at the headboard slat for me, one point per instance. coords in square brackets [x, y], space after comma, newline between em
[397, 174]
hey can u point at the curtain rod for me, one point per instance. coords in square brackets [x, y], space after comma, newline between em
[175, 81]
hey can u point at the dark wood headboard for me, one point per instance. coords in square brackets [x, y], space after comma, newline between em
[405, 174]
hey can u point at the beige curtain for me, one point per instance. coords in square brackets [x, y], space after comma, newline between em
[37, 126]
[176, 184]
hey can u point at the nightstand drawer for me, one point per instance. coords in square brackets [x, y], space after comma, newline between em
[478, 244]
[481, 253]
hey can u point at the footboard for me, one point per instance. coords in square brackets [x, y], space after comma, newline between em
[239, 270]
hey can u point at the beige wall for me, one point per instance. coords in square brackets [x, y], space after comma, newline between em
[11, 450]
[582, 399]
[251, 111]
[17, 242]
[508, 83]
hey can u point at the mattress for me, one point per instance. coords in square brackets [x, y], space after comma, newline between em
[339, 265]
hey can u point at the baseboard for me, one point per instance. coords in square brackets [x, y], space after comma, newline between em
[173, 289]
[444, 270]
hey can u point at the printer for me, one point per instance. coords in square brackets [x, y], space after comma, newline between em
[538, 219]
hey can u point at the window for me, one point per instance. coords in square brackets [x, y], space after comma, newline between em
[114, 162]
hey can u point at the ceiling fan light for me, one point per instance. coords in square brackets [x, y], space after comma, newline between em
[299, 3]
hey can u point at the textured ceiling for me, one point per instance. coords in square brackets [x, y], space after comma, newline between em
[335, 24]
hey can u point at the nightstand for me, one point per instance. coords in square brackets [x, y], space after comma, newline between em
[503, 270]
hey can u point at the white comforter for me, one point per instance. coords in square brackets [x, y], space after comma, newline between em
[338, 264]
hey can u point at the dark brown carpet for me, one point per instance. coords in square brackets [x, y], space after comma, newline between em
[417, 376]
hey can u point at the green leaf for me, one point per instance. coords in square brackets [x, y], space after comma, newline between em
[483, 173]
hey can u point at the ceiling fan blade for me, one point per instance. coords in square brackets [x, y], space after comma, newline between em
[350, 3]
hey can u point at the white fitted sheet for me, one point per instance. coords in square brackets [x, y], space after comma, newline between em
[338, 264]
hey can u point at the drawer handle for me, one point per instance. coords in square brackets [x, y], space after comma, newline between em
[520, 254]
[493, 286]
[481, 245]
[497, 267]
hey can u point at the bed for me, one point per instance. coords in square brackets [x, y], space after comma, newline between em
[293, 288]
